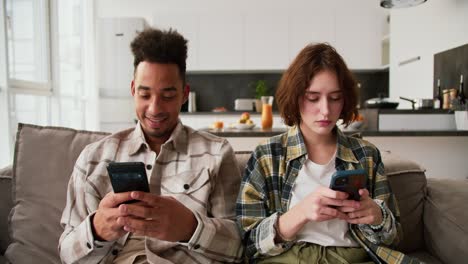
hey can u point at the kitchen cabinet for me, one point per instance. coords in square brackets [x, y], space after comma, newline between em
[186, 24]
[358, 33]
[266, 41]
[249, 39]
[220, 42]
[115, 59]
[314, 26]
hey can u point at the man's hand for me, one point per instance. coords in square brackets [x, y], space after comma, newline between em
[162, 217]
[367, 213]
[105, 220]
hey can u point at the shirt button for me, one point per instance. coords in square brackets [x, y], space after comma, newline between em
[148, 166]
[88, 245]
[115, 252]
[196, 246]
[186, 186]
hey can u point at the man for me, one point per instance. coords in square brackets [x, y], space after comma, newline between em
[188, 215]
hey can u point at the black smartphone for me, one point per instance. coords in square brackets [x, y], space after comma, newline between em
[128, 176]
[349, 181]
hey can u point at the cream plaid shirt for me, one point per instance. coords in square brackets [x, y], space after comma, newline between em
[203, 161]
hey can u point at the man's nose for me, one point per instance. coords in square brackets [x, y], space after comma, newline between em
[155, 105]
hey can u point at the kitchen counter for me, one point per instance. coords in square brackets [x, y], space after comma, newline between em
[258, 132]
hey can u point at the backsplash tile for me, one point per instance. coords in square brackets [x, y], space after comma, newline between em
[448, 65]
[221, 89]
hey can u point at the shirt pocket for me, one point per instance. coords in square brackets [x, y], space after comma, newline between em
[191, 187]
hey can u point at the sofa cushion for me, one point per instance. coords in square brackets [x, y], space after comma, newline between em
[242, 158]
[408, 182]
[445, 219]
[43, 161]
[5, 206]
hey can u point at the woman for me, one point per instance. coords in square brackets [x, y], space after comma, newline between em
[285, 210]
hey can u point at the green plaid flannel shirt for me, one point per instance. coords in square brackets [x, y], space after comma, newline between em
[266, 192]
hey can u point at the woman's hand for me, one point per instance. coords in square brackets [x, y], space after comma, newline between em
[321, 205]
[368, 212]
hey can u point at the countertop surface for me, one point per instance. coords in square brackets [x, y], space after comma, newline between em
[258, 132]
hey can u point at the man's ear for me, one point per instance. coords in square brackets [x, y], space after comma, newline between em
[186, 92]
[132, 87]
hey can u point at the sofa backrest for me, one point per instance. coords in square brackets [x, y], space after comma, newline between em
[44, 158]
[43, 162]
[5, 207]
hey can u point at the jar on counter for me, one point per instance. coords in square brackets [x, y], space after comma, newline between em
[449, 96]
[453, 96]
[446, 99]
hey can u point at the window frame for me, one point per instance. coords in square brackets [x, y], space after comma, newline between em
[22, 86]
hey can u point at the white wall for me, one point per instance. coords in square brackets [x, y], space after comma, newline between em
[442, 157]
[424, 30]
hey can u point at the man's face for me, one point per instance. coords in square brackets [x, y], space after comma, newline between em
[158, 94]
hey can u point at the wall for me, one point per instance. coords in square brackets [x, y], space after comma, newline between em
[424, 30]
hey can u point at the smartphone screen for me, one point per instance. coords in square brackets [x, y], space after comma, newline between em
[349, 181]
[128, 176]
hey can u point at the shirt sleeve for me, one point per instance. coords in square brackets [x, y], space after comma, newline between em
[253, 215]
[77, 243]
[387, 233]
[382, 193]
[216, 235]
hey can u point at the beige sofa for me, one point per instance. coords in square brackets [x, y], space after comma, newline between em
[434, 213]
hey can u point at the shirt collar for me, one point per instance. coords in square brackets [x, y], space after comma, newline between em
[137, 140]
[296, 146]
[178, 139]
[344, 149]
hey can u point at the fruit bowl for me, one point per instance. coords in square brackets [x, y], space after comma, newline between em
[241, 126]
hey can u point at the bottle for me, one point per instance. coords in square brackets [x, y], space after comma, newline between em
[192, 102]
[438, 98]
[461, 95]
[267, 112]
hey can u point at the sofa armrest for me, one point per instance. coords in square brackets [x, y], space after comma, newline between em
[446, 219]
[5, 206]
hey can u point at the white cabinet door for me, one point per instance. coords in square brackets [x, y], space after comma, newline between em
[115, 59]
[221, 42]
[359, 32]
[266, 41]
[315, 25]
[188, 26]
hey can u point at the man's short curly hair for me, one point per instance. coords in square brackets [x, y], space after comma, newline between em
[160, 46]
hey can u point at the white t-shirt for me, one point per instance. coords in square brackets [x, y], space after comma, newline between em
[327, 233]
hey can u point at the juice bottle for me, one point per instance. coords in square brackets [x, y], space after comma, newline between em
[267, 112]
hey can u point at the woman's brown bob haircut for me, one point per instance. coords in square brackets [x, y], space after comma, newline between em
[313, 59]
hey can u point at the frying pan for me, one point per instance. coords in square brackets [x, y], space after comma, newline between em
[420, 103]
[381, 103]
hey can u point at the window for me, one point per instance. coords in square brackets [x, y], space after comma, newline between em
[47, 44]
[28, 44]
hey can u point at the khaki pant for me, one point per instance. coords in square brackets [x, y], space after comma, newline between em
[304, 252]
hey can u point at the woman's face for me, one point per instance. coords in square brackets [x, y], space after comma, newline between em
[321, 104]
